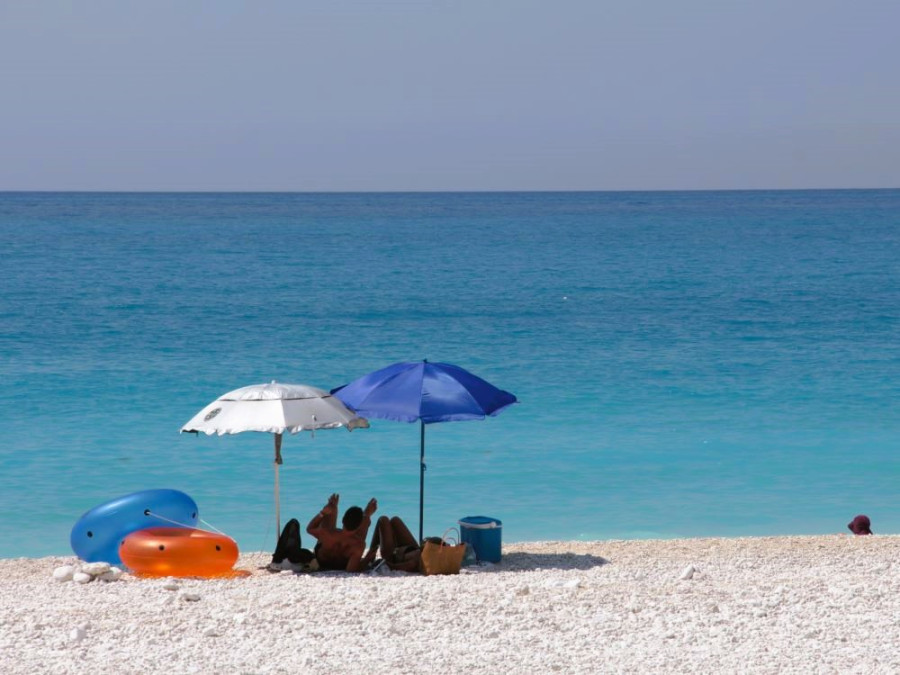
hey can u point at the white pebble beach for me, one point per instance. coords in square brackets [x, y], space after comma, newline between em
[817, 604]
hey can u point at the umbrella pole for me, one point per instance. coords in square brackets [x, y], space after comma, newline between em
[278, 462]
[421, 480]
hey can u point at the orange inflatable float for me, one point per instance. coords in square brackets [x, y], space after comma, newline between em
[178, 552]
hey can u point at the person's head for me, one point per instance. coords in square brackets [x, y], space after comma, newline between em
[860, 525]
[352, 518]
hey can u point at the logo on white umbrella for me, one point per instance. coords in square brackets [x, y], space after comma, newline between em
[211, 414]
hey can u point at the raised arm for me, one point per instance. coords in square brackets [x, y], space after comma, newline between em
[326, 519]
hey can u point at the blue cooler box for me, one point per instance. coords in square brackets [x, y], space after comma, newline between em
[483, 534]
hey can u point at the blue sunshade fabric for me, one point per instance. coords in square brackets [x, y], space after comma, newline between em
[424, 391]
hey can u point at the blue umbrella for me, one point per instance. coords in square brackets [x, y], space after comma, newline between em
[427, 392]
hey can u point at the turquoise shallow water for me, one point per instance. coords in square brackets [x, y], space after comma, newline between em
[702, 363]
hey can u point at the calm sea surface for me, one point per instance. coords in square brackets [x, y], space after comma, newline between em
[687, 364]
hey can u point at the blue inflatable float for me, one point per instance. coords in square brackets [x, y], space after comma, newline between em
[99, 532]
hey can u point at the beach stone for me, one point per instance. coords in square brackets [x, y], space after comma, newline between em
[688, 572]
[82, 578]
[189, 597]
[112, 574]
[95, 568]
[64, 573]
[77, 634]
[171, 585]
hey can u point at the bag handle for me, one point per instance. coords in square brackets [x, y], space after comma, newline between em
[445, 538]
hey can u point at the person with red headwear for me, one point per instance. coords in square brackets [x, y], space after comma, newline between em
[860, 525]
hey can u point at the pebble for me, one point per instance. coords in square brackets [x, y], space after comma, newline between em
[189, 597]
[87, 572]
[112, 574]
[688, 572]
[77, 634]
[64, 573]
[95, 569]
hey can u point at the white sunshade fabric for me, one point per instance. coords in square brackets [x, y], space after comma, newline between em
[275, 408]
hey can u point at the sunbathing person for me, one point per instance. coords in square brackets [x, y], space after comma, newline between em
[399, 547]
[290, 548]
[342, 548]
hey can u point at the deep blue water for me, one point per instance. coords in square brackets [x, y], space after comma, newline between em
[694, 363]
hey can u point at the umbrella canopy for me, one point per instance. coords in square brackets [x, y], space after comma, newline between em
[427, 392]
[274, 408]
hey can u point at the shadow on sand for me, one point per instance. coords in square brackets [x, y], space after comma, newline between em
[532, 562]
[510, 562]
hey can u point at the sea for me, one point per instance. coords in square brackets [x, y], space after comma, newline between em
[687, 364]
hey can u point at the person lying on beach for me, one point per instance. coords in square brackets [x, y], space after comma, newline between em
[289, 548]
[341, 548]
[399, 547]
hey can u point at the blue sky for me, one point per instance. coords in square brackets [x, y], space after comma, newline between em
[465, 95]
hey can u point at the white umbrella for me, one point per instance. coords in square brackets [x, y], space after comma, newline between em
[274, 408]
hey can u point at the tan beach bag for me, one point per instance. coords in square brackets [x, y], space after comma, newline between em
[443, 558]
